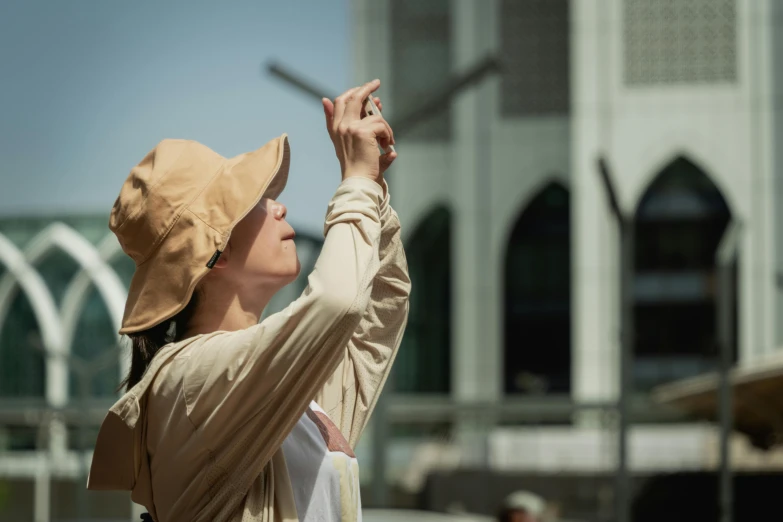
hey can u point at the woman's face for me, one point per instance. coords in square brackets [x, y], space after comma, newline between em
[261, 249]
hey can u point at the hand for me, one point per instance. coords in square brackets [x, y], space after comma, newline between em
[356, 137]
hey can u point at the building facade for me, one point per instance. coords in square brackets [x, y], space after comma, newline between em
[510, 238]
[511, 245]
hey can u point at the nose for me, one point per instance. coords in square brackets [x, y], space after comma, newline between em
[280, 211]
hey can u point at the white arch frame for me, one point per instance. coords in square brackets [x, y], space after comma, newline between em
[113, 293]
[34, 287]
[58, 326]
[656, 157]
[94, 269]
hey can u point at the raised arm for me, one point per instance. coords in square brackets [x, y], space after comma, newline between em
[272, 370]
[247, 389]
[351, 392]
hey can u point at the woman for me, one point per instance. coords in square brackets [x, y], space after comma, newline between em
[225, 418]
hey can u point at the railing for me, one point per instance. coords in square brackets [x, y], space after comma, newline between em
[51, 415]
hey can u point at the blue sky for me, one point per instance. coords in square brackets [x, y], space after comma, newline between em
[87, 87]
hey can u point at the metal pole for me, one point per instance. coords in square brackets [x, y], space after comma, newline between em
[725, 406]
[298, 81]
[441, 98]
[625, 362]
[42, 490]
[438, 102]
[725, 259]
[626, 240]
[81, 487]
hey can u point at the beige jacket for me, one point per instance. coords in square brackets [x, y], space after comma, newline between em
[199, 438]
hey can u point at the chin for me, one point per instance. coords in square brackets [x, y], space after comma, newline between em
[291, 277]
[285, 273]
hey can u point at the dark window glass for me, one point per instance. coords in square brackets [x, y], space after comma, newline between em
[423, 364]
[94, 370]
[538, 297]
[22, 362]
[680, 221]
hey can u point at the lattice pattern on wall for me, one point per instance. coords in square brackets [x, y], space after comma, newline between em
[679, 41]
[421, 61]
[535, 50]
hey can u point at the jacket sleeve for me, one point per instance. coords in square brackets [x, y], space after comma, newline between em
[351, 392]
[245, 390]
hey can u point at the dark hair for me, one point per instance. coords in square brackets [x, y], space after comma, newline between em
[145, 344]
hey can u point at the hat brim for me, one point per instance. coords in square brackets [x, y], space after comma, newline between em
[163, 285]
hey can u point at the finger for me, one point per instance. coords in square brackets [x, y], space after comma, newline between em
[378, 128]
[391, 132]
[353, 106]
[389, 129]
[376, 132]
[328, 113]
[386, 160]
[388, 135]
[379, 103]
[339, 107]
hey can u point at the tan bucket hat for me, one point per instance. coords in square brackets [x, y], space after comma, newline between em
[175, 213]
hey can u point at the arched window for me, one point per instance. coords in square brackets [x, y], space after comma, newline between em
[538, 296]
[424, 361]
[22, 354]
[679, 222]
[22, 366]
[94, 345]
[22, 358]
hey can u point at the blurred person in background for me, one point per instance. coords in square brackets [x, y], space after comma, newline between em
[522, 506]
[225, 418]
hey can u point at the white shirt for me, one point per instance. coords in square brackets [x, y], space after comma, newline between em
[323, 470]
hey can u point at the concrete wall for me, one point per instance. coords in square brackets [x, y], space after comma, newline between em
[724, 128]
[494, 166]
[776, 13]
